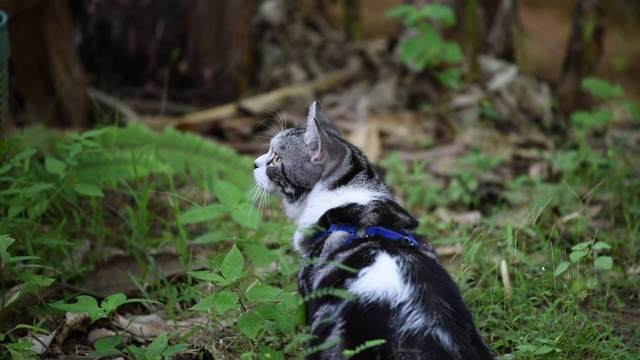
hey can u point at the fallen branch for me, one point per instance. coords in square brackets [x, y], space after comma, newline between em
[257, 104]
[127, 113]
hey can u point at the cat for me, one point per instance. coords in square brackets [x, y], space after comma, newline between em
[368, 279]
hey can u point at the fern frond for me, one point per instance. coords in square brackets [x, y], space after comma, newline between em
[137, 151]
[340, 293]
[324, 346]
[347, 353]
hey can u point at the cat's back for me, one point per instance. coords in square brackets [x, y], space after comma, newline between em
[402, 295]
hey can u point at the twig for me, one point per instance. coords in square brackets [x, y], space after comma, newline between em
[127, 113]
[258, 103]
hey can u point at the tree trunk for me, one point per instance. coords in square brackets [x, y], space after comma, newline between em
[49, 75]
[213, 47]
[584, 51]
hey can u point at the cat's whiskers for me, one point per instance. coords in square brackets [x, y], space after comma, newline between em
[255, 195]
[259, 203]
[280, 117]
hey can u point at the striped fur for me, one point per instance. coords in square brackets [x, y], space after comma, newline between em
[402, 294]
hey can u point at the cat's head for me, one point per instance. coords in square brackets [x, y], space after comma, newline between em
[311, 159]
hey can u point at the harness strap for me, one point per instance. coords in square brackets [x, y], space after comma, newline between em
[396, 235]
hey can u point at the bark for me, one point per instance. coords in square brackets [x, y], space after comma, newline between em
[353, 20]
[213, 49]
[188, 51]
[49, 75]
[584, 51]
[500, 26]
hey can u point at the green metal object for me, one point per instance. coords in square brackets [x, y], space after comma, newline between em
[5, 52]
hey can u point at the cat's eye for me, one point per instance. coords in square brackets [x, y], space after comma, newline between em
[276, 160]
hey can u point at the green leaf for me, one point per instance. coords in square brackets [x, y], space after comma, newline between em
[106, 346]
[37, 280]
[581, 117]
[232, 265]
[36, 189]
[561, 268]
[250, 324]
[603, 262]
[222, 302]
[242, 216]
[526, 347]
[88, 189]
[5, 168]
[173, 350]
[583, 246]
[204, 275]
[5, 242]
[267, 310]
[259, 254]
[602, 89]
[451, 53]
[25, 154]
[225, 300]
[600, 245]
[285, 323]
[633, 109]
[15, 210]
[402, 10]
[210, 238]
[411, 49]
[260, 293]
[413, 19]
[567, 161]
[204, 304]
[268, 353]
[83, 303]
[54, 166]
[439, 12]
[543, 350]
[112, 302]
[449, 78]
[95, 133]
[15, 259]
[202, 214]
[602, 117]
[576, 255]
[157, 346]
[228, 193]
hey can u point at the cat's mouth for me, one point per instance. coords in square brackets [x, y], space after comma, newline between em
[260, 175]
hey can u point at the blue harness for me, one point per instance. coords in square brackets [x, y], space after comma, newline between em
[396, 235]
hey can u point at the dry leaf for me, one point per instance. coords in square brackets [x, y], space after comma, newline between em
[73, 321]
[99, 333]
[367, 138]
[148, 327]
[463, 218]
[115, 276]
[41, 342]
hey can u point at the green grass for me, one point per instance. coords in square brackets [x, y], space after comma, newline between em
[548, 272]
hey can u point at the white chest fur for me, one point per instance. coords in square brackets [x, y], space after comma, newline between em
[321, 200]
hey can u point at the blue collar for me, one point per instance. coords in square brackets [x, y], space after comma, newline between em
[397, 234]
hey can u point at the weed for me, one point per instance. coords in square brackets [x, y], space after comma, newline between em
[426, 48]
[547, 273]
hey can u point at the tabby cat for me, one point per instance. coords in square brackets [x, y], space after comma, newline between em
[356, 239]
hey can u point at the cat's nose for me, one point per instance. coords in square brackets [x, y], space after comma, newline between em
[255, 164]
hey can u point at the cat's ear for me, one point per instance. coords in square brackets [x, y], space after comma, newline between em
[322, 119]
[316, 137]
